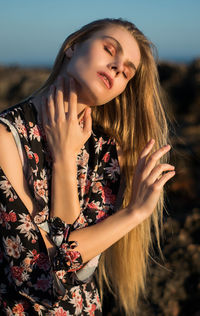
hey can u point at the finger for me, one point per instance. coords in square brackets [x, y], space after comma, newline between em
[166, 177]
[154, 158]
[157, 172]
[143, 156]
[147, 149]
[59, 100]
[72, 108]
[50, 105]
[87, 121]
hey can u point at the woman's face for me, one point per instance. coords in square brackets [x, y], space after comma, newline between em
[103, 64]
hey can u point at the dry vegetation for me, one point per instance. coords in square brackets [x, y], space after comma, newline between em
[175, 289]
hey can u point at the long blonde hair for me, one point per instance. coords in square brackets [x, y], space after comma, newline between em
[138, 116]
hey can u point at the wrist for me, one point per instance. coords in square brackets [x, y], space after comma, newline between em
[68, 161]
[134, 215]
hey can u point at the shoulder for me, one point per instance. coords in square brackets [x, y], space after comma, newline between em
[11, 165]
[8, 151]
[20, 109]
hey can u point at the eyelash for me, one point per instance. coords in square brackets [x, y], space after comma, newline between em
[108, 50]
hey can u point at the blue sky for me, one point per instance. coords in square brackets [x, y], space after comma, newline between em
[31, 31]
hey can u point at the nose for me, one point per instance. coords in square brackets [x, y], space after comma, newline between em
[117, 67]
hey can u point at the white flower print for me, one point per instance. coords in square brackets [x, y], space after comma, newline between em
[7, 188]
[61, 275]
[27, 226]
[99, 144]
[40, 186]
[82, 158]
[13, 246]
[19, 124]
[39, 308]
[113, 169]
[61, 312]
[76, 300]
[34, 133]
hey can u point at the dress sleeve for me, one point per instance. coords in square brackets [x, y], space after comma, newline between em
[66, 257]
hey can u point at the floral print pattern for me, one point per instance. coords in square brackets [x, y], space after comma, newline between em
[30, 284]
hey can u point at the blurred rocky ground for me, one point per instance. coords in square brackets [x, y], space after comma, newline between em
[173, 285]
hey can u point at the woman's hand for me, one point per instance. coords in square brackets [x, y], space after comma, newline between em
[148, 181]
[65, 136]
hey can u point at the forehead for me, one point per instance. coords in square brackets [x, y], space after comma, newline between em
[129, 45]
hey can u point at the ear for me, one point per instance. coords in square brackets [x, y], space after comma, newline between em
[69, 52]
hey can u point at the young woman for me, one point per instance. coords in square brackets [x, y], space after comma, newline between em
[83, 165]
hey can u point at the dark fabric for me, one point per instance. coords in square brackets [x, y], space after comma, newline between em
[27, 277]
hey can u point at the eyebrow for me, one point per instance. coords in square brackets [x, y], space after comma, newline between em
[120, 50]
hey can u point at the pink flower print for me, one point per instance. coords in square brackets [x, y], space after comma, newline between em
[38, 308]
[106, 157]
[6, 217]
[34, 133]
[92, 309]
[41, 188]
[96, 187]
[9, 217]
[17, 273]
[81, 181]
[60, 312]
[29, 152]
[18, 309]
[61, 275]
[101, 214]
[87, 187]
[36, 158]
[108, 197]
[81, 219]
[13, 217]
[92, 205]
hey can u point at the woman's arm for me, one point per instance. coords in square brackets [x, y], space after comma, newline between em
[97, 238]
[65, 138]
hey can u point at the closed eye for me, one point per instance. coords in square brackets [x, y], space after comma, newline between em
[108, 50]
[125, 76]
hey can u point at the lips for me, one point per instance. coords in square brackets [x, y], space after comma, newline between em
[107, 80]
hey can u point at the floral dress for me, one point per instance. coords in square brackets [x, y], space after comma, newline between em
[31, 283]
